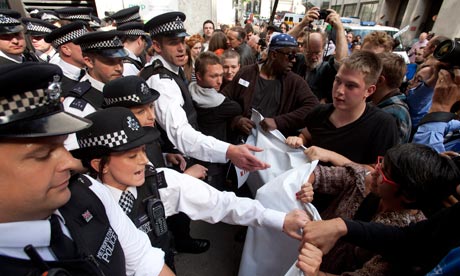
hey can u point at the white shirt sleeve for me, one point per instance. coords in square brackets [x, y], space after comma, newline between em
[140, 257]
[71, 142]
[172, 118]
[201, 201]
[130, 70]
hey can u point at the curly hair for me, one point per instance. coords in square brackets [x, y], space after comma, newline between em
[194, 39]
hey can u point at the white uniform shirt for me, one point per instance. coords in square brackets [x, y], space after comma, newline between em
[172, 118]
[71, 142]
[69, 70]
[201, 201]
[141, 258]
[130, 69]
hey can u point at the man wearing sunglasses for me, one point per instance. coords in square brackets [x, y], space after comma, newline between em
[281, 96]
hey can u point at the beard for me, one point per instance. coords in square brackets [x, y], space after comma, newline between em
[313, 64]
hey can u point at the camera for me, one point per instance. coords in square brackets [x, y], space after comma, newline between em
[323, 14]
[448, 51]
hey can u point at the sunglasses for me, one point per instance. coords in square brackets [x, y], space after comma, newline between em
[289, 55]
[378, 167]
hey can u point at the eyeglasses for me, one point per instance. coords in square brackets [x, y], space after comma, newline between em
[378, 167]
[290, 55]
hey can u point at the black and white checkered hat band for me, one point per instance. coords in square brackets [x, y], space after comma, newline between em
[129, 98]
[69, 37]
[111, 140]
[6, 20]
[169, 27]
[37, 28]
[106, 44]
[133, 17]
[22, 102]
[85, 17]
[135, 32]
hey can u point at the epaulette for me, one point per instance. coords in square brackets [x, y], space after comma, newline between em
[165, 76]
[80, 89]
[78, 103]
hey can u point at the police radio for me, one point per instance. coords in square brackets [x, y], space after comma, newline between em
[156, 213]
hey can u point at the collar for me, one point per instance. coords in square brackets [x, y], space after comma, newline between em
[94, 83]
[132, 55]
[116, 193]
[167, 65]
[69, 70]
[15, 58]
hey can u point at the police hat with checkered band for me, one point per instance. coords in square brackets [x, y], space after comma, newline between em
[130, 14]
[30, 102]
[168, 24]
[114, 129]
[72, 14]
[128, 91]
[9, 22]
[104, 43]
[37, 27]
[133, 29]
[67, 33]
[47, 15]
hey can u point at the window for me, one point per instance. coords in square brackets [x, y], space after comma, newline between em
[349, 10]
[368, 11]
[337, 8]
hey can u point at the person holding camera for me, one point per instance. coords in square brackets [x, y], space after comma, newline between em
[311, 65]
[439, 128]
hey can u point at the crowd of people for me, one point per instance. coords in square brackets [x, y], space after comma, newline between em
[115, 133]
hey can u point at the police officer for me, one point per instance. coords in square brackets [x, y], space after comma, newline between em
[47, 223]
[37, 29]
[135, 42]
[103, 54]
[113, 149]
[12, 42]
[127, 15]
[175, 112]
[70, 56]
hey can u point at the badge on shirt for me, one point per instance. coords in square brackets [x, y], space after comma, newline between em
[161, 180]
[79, 104]
[244, 83]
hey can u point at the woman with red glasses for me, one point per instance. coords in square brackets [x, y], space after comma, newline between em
[409, 179]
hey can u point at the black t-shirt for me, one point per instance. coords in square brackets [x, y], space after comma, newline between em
[361, 141]
[267, 97]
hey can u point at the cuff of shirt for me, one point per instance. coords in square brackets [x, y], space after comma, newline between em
[220, 147]
[274, 219]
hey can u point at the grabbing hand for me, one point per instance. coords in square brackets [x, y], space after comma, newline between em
[245, 125]
[294, 141]
[306, 193]
[310, 259]
[197, 171]
[293, 222]
[324, 233]
[268, 124]
[177, 159]
[446, 92]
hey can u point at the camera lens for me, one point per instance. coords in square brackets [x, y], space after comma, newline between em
[448, 51]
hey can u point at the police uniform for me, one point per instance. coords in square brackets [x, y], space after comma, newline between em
[116, 129]
[86, 97]
[174, 108]
[58, 37]
[123, 16]
[10, 24]
[132, 64]
[38, 27]
[101, 239]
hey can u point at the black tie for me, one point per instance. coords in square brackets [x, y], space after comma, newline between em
[182, 75]
[126, 201]
[82, 73]
[63, 247]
